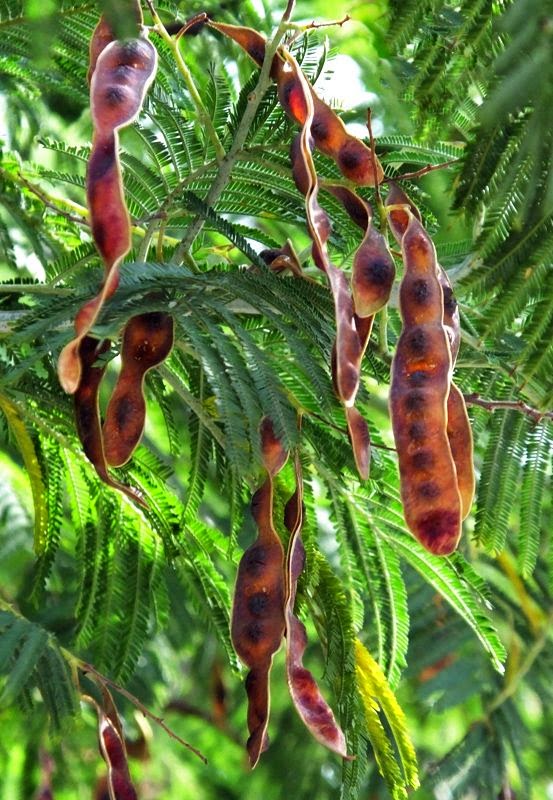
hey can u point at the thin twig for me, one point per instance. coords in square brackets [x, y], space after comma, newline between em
[228, 162]
[84, 667]
[423, 171]
[515, 405]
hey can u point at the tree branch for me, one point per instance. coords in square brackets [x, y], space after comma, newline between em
[514, 405]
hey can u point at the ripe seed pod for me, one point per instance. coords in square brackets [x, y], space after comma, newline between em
[458, 426]
[421, 377]
[329, 133]
[313, 709]
[120, 78]
[257, 624]
[87, 412]
[373, 270]
[147, 341]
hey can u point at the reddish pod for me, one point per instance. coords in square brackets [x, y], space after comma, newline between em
[112, 748]
[257, 625]
[311, 706]
[87, 413]
[147, 341]
[421, 377]
[121, 76]
[458, 425]
[330, 136]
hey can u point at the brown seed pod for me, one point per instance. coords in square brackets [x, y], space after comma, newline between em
[257, 625]
[459, 434]
[87, 412]
[313, 709]
[458, 425]
[351, 336]
[112, 749]
[120, 78]
[147, 341]
[329, 133]
[373, 270]
[421, 377]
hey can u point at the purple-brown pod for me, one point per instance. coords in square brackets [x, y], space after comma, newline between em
[120, 78]
[311, 706]
[147, 341]
[421, 378]
[87, 413]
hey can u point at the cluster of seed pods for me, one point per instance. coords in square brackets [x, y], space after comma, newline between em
[373, 270]
[429, 417]
[120, 73]
[263, 612]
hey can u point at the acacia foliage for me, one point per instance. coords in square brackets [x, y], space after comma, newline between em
[86, 575]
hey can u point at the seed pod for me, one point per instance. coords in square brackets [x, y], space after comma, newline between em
[112, 749]
[373, 265]
[421, 377]
[147, 341]
[310, 704]
[122, 73]
[257, 625]
[351, 336]
[458, 425]
[459, 434]
[330, 136]
[87, 412]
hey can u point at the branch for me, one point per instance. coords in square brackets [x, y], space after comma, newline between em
[423, 171]
[514, 405]
[228, 162]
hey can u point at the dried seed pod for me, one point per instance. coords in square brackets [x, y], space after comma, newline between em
[282, 259]
[112, 749]
[257, 625]
[147, 341]
[308, 700]
[459, 434]
[458, 425]
[330, 136]
[351, 336]
[373, 270]
[122, 73]
[87, 413]
[421, 377]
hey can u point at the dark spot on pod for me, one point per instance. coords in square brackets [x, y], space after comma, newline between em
[417, 342]
[133, 54]
[417, 431]
[154, 320]
[414, 401]
[424, 459]
[114, 96]
[351, 155]
[255, 631]
[319, 126]
[439, 531]
[101, 162]
[421, 291]
[255, 560]
[379, 272]
[256, 50]
[418, 378]
[259, 603]
[450, 303]
[429, 490]
[123, 410]
[269, 255]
